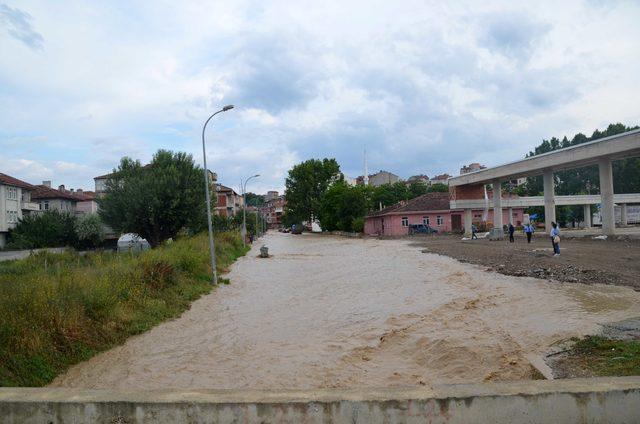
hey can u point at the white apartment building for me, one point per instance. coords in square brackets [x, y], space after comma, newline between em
[15, 202]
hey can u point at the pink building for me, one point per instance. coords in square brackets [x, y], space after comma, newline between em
[431, 209]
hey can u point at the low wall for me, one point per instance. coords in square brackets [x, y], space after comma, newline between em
[611, 400]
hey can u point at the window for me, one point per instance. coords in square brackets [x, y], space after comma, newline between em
[12, 217]
[12, 193]
[405, 221]
[425, 220]
[45, 205]
[439, 220]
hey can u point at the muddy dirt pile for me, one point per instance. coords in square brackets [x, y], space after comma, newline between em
[328, 312]
[582, 260]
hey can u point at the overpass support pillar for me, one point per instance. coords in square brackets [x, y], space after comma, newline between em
[549, 200]
[468, 222]
[587, 216]
[497, 233]
[510, 215]
[623, 214]
[606, 193]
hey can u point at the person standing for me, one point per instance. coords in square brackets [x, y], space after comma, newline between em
[528, 230]
[555, 239]
[512, 230]
[473, 232]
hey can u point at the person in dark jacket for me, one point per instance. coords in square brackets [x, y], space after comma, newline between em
[512, 229]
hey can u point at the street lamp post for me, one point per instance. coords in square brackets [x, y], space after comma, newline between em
[212, 250]
[244, 208]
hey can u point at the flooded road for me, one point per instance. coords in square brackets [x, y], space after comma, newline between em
[335, 312]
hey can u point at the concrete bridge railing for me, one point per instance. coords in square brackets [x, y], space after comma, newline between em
[610, 400]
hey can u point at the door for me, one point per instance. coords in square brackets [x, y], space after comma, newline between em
[456, 222]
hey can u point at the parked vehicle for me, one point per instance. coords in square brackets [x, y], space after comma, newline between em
[421, 229]
[297, 229]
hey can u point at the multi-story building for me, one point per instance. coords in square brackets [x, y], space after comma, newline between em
[418, 179]
[441, 179]
[228, 201]
[379, 178]
[15, 202]
[472, 167]
[273, 211]
[51, 199]
[271, 194]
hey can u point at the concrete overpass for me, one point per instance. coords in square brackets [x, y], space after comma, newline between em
[601, 152]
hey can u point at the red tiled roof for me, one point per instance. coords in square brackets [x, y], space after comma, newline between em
[44, 192]
[84, 196]
[427, 202]
[223, 188]
[11, 181]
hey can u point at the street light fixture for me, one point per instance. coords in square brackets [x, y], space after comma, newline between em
[244, 208]
[212, 250]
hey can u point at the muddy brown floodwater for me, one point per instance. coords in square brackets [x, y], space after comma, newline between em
[337, 312]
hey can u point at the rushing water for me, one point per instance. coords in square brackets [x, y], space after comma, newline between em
[336, 312]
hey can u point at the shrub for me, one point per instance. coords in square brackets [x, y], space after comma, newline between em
[358, 224]
[48, 229]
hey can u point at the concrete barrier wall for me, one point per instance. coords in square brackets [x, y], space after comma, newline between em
[610, 400]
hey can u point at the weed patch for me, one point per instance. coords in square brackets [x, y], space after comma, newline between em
[60, 309]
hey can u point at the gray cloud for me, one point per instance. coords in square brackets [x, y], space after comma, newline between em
[512, 35]
[272, 73]
[18, 25]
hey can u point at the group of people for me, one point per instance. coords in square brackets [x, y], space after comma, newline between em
[529, 229]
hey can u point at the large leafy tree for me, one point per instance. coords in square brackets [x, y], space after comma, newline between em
[305, 186]
[341, 206]
[155, 201]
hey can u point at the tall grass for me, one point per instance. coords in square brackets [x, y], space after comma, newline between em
[59, 309]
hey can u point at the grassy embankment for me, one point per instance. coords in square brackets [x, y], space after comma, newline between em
[603, 357]
[56, 315]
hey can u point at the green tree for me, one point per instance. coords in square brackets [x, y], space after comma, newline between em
[417, 188]
[439, 188]
[305, 186]
[341, 206]
[89, 230]
[253, 199]
[155, 201]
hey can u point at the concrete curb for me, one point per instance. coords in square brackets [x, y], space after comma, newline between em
[612, 400]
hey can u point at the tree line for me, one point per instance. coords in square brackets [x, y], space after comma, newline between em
[157, 201]
[316, 189]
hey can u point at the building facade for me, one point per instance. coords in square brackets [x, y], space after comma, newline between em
[15, 202]
[472, 167]
[273, 210]
[51, 199]
[441, 179]
[228, 201]
[431, 209]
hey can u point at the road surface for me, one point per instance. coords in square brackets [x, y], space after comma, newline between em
[336, 312]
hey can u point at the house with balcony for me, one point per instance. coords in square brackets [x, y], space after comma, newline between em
[273, 210]
[228, 202]
[15, 202]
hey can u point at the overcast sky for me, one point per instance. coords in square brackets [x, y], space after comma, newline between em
[424, 86]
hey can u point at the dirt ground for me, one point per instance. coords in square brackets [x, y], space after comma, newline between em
[582, 260]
